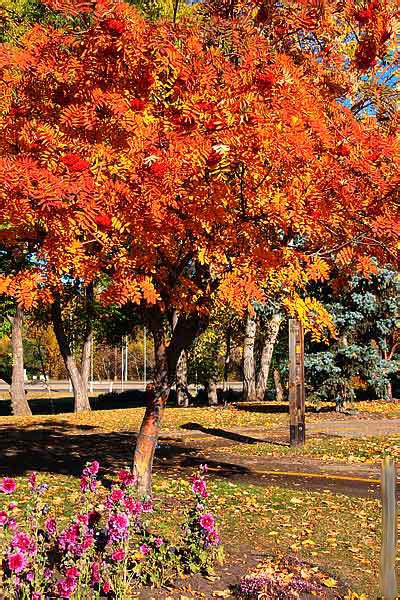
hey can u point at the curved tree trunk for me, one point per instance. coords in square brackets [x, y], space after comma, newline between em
[166, 360]
[266, 355]
[81, 400]
[249, 368]
[19, 403]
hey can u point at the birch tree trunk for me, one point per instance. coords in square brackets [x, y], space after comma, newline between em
[81, 400]
[280, 397]
[249, 369]
[182, 395]
[19, 403]
[266, 355]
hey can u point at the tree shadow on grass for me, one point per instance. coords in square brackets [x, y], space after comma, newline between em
[230, 435]
[274, 408]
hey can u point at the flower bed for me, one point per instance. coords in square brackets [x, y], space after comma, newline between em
[107, 549]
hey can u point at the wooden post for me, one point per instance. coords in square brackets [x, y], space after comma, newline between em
[387, 572]
[296, 383]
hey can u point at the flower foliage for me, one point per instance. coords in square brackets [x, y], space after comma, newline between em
[186, 162]
[106, 549]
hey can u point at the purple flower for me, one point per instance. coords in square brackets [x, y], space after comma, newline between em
[30, 576]
[8, 485]
[144, 549]
[17, 562]
[12, 524]
[48, 573]
[203, 468]
[207, 522]
[158, 542]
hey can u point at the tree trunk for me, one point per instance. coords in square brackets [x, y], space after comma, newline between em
[184, 332]
[249, 370]
[19, 403]
[85, 361]
[266, 355]
[227, 362]
[81, 400]
[280, 397]
[212, 393]
[389, 392]
[156, 397]
[182, 394]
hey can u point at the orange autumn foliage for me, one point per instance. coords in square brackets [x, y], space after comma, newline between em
[187, 163]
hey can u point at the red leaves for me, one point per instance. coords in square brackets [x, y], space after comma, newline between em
[103, 220]
[74, 162]
[343, 150]
[265, 81]
[159, 168]
[213, 159]
[363, 16]
[366, 54]
[214, 123]
[114, 27]
[137, 104]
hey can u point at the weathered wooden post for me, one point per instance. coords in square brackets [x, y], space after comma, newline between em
[387, 573]
[296, 383]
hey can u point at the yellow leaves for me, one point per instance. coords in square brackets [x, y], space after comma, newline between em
[314, 316]
[366, 266]
[329, 582]
[318, 270]
[150, 294]
[345, 256]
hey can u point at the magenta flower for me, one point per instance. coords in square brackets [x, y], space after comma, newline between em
[8, 485]
[72, 572]
[32, 480]
[199, 487]
[66, 587]
[126, 477]
[17, 562]
[133, 506]
[3, 518]
[144, 549]
[203, 468]
[118, 554]
[37, 596]
[12, 524]
[22, 541]
[120, 521]
[213, 538]
[207, 521]
[106, 587]
[158, 542]
[95, 569]
[93, 467]
[51, 526]
[147, 506]
[116, 495]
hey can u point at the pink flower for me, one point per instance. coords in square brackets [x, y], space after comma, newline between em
[93, 467]
[120, 521]
[118, 554]
[51, 526]
[95, 569]
[158, 542]
[72, 572]
[213, 538]
[37, 596]
[22, 541]
[133, 506]
[147, 506]
[126, 477]
[207, 521]
[3, 518]
[106, 587]
[32, 480]
[66, 587]
[8, 485]
[144, 549]
[199, 487]
[17, 562]
[117, 495]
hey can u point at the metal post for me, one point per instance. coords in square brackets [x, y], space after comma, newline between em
[387, 571]
[296, 382]
[144, 357]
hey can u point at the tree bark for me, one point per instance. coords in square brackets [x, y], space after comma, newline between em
[212, 393]
[266, 355]
[85, 361]
[81, 400]
[19, 403]
[227, 362]
[249, 370]
[182, 394]
[166, 360]
[280, 397]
